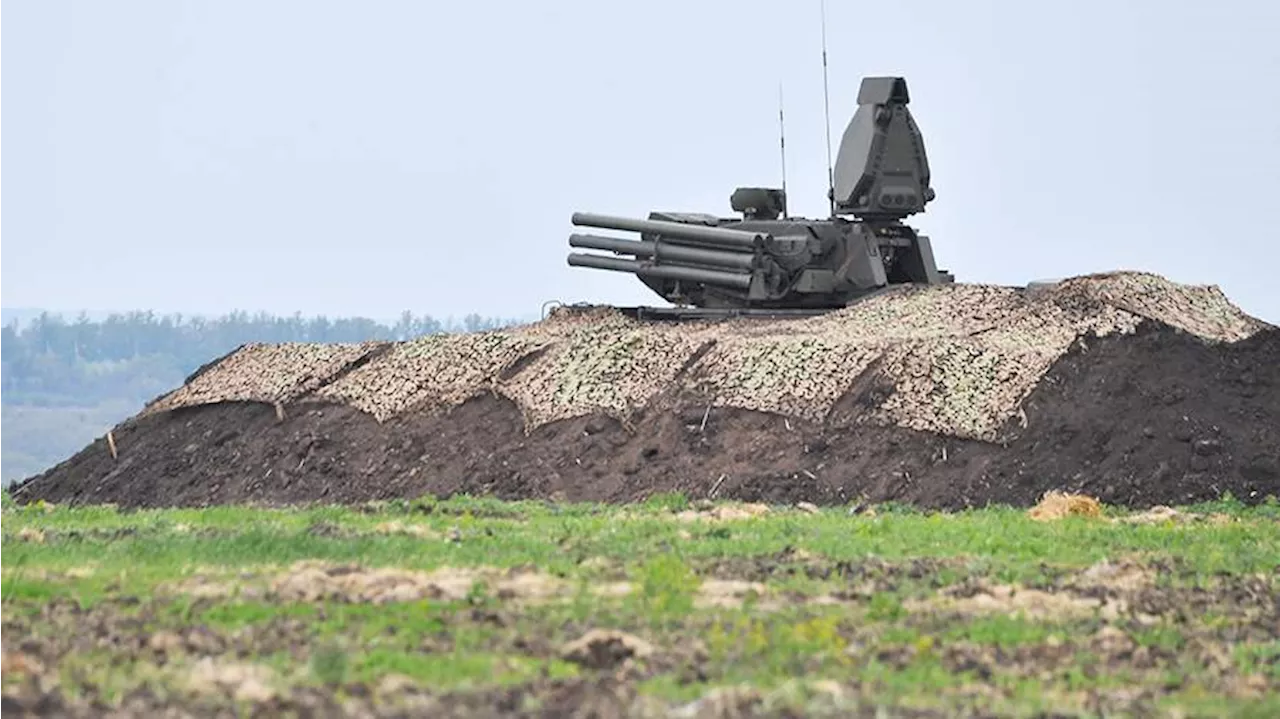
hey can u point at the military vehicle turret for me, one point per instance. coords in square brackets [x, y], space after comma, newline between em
[767, 261]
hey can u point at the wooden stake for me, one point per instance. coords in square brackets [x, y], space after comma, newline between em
[111, 445]
[716, 486]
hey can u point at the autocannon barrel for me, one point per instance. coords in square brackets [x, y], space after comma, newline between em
[670, 272]
[662, 252]
[680, 230]
[613, 244]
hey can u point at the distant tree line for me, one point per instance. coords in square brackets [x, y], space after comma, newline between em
[66, 382]
[51, 361]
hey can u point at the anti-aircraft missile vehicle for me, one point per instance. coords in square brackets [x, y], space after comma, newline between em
[773, 264]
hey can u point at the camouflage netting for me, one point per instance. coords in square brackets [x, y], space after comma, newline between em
[432, 371]
[610, 365]
[960, 358]
[277, 373]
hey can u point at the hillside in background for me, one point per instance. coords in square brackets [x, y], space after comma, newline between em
[65, 382]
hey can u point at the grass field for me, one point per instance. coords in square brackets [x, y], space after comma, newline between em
[671, 608]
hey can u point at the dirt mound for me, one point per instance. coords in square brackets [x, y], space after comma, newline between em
[1126, 386]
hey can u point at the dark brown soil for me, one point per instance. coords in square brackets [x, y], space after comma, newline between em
[1159, 417]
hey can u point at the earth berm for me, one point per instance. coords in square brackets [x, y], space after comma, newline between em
[1124, 386]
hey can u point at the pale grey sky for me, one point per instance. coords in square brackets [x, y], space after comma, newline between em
[369, 157]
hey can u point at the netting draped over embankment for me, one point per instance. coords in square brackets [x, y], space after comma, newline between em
[959, 359]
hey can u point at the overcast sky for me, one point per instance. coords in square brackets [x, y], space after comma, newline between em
[369, 157]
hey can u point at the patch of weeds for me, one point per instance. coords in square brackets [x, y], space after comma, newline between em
[665, 502]
[6, 585]
[726, 641]
[444, 672]
[1261, 659]
[915, 676]
[105, 675]
[722, 531]
[328, 513]
[1083, 672]
[820, 637]
[898, 635]
[897, 508]
[1004, 631]
[1269, 507]
[239, 614]
[329, 665]
[1159, 636]
[885, 607]
[1214, 620]
[666, 587]
[1226, 504]
[766, 646]
[1198, 703]
[1030, 575]
[425, 504]
[465, 505]
[480, 595]
[945, 575]
[183, 610]
[24, 589]
[37, 508]
[325, 528]
[401, 623]
[383, 506]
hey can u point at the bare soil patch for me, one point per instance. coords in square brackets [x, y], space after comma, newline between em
[313, 581]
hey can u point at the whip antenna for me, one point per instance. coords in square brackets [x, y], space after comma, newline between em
[826, 103]
[782, 147]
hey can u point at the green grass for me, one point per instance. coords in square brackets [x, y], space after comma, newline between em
[844, 602]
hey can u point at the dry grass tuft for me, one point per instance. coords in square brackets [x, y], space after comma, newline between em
[1056, 505]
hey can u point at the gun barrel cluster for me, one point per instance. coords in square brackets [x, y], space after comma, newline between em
[682, 251]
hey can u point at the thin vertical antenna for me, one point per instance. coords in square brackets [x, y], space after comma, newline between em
[826, 102]
[782, 146]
